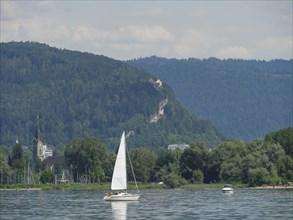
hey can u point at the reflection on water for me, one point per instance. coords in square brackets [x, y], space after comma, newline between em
[153, 204]
[119, 209]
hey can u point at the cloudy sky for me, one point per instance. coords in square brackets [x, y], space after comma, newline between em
[174, 29]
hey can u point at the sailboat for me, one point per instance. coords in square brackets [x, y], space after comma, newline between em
[119, 178]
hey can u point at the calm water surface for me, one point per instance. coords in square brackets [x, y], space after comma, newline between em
[153, 204]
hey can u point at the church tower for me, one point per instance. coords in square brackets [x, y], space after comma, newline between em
[38, 145]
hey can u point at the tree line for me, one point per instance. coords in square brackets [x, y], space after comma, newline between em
[261, 161]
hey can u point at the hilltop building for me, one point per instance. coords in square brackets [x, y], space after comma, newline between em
[178, 146]
[156, 83]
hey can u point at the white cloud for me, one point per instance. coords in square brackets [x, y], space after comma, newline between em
[8, 10]
[87, 33]
[193, 43]
[276, 43]
[11, 30]
[276, 47]
[141, 34]
[253, 30]
[234, 52]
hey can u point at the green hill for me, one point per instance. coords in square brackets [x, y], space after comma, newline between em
[79, 94]
[246, 99]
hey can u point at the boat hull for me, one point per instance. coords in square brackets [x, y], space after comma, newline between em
[227, 191]
[122, 197]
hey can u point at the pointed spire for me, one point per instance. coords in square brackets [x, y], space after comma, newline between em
[38, 132]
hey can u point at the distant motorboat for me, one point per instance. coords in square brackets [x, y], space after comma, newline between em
[227, 188]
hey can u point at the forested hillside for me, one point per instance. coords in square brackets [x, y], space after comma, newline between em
[80, 94]
[244, 98]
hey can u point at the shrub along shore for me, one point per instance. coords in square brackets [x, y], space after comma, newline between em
[142, 186]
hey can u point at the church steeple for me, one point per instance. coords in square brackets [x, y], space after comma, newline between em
[38, 145]
[38, 132]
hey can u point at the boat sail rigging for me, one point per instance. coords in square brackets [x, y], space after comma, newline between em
[119, 178]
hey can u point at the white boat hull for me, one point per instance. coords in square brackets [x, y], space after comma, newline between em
[122, 197]
[227, 190]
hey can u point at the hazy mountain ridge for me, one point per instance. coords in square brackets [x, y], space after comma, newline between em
[79, 94]
[245, 98]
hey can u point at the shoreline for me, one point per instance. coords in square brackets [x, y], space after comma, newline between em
[272, 187]
[105, 187]
[21, 189]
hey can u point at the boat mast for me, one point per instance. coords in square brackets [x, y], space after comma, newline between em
[132, 170]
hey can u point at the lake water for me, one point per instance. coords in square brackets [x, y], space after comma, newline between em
[153, 204]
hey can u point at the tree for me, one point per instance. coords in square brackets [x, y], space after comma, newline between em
[285, 168]
[166, 157]
[46, 176]
[258, 176]
[255, 162]
[197, 176]
[284, 137]
[86, 157]
[167, 163]
[108, 166]
[173, 180]
[5, 170]
[143, 161]
[274, 151]
[17, 152]
[230, 172]
[194, 158]
[39, 165]
[225, 162]
[16, 162]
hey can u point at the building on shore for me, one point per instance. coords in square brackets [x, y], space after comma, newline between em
[57, 165]
[178, 146]
[40, 150]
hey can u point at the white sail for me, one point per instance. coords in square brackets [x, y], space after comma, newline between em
[119, 178]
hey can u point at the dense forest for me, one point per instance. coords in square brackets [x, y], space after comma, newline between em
[261, 161]
[85, 101]
[78, 94]
[246, 99]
